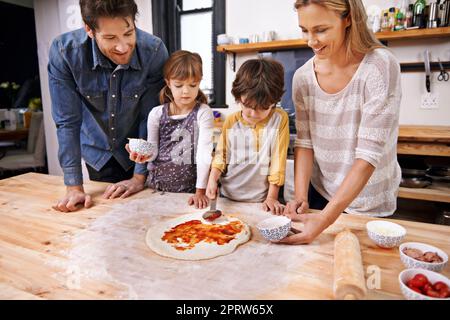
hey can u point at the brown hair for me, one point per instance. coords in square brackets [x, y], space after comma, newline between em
[91, 10]
[261, 81]
[359, 39]
[182, 65]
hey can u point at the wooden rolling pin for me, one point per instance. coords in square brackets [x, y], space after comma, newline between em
[349, 282]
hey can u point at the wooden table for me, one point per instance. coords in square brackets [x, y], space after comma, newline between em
[32, 234]
[13, 135]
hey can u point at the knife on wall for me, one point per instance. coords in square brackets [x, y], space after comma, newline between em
[427, 70]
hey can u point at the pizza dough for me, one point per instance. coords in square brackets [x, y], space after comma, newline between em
[190, 237]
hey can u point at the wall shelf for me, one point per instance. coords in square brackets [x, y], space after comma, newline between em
[300, 43]
[427, 194]
[424, 140]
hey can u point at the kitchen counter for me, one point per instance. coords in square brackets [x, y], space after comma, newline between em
[41, 250]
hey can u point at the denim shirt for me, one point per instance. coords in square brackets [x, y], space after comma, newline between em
[96, 107]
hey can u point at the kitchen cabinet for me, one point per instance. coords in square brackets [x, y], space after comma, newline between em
[424, 141]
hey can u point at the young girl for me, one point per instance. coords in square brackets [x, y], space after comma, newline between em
[181, 129]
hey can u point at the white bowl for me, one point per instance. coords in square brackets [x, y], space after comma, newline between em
[413, 263]
[385, 234]
[410, 294]
[275, 228]
[140, 146]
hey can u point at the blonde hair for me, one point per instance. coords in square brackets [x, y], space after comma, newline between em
[358, 38]
[182, 65]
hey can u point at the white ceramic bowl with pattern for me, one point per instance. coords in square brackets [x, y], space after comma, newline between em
[385, 234]
[413, 263]
[275, 228]
[140, 146]
[410, 294]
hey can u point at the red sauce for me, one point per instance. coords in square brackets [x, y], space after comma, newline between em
[192, 232]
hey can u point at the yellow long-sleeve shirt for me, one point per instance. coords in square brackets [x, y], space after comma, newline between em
[252, 156]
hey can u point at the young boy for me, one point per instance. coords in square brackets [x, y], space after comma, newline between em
[251, 153]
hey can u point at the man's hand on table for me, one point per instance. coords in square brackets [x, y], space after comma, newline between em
[74, 195]
[125, 188]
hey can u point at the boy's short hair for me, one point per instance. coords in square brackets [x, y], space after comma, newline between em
[260, 82]
[91, 10]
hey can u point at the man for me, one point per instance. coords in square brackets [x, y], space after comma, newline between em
[104, 79]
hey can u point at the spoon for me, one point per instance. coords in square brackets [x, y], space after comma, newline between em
[212, 214]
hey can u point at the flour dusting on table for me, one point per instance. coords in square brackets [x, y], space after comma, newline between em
[113, 249]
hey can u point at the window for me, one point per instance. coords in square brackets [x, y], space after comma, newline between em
[194, 25]
[196, 31]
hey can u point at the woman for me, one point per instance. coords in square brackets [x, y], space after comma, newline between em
[347, 100]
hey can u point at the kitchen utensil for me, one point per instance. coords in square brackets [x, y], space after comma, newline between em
[213, 214]
[439, 173]
[443, 218]
[414, 172]
[268, 36]
[443, 171]
[438, 178]
[254, 38]
[415, 182]
[443, 76]
[223, 39]
[427, 70]
[349, 282]
[444, 10]
[433, 15]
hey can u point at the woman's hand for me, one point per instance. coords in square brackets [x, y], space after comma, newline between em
[314, 224]
[136, 157]
[273, 205]
[295, 208]
[199, 199]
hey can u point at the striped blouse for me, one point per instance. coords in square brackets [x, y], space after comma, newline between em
[359, 122]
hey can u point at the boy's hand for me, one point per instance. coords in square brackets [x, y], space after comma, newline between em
[273, 205]
[211, 189]
[136, 157]
[199, 199]
[294, 208]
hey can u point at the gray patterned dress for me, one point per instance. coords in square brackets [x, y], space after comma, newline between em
[174, 169]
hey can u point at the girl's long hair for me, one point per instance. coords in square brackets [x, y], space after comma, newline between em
[182, 65]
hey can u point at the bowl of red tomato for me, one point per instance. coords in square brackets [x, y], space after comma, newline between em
[421, 284]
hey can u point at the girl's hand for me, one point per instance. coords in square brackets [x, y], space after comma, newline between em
[295, 208]
[136, 157]
[199, 199]
[273, 205]
[211, 189]
[314, 224]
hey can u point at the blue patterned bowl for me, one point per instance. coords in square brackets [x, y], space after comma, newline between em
[140, 146]
[413, 263]
[275, 228]
[385, 234]
[410, 294]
